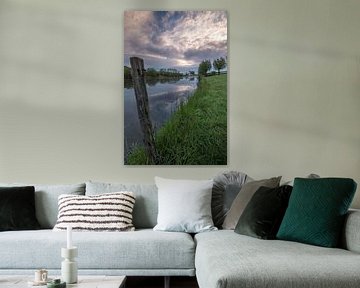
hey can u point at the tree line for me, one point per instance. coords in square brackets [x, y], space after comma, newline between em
[153, 73]
[205, 66]
[203, 69]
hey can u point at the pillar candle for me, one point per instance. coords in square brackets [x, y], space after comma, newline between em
[69, 237]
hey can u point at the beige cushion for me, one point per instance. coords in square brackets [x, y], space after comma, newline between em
[243, 198]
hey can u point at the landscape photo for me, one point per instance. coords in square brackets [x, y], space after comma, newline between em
[175, 88]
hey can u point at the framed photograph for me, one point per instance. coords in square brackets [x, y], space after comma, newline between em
[175, 88]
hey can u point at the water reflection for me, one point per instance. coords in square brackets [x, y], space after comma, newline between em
[164, 98]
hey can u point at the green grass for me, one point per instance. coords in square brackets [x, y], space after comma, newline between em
[196, 134]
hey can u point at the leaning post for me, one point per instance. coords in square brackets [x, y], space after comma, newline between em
[142, 104]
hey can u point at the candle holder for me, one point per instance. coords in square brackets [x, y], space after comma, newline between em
[69, 271]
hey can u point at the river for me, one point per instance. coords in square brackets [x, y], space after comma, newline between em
[165, 97]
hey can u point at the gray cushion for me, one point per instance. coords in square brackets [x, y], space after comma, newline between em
[226, 187]
[46, 200]
[351, 236]
[243, 198]
[146, 204]
[225, 259]
[143, 249]
[310, 176]
[184, 205]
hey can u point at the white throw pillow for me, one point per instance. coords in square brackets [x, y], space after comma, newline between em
[104, 212]
[184, 205]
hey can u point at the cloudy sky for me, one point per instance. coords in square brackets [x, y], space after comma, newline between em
[175, 39]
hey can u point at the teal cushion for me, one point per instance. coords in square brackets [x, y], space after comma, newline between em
[316, 211]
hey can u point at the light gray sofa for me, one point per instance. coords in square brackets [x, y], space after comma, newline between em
[142, 252]
[226, 259]
[219, 259]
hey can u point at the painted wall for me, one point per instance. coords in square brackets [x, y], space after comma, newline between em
[294, 89]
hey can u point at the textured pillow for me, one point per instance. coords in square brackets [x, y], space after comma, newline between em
[311, 176]
[17, 209]
[146, 205]
[226, 187]
[184, 205]
[46, 200]
[106, 212]
[243, 198]
[317, 209]
[263, 214]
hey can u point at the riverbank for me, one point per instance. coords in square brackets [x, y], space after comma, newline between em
[196, 134]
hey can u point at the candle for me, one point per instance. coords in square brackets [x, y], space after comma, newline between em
[69, 237]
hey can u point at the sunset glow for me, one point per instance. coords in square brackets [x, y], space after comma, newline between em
[175, 39]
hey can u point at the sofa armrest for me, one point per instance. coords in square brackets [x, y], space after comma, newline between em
[351, 233]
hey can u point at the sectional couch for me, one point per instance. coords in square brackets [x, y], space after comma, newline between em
[219, 259]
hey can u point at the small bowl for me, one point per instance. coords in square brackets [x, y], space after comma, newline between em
[56, 283]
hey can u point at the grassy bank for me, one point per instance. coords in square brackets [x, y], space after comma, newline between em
[197, 133]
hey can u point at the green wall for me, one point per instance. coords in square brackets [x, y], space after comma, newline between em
[294, 92]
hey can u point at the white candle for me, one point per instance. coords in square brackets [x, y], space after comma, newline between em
[69, 237]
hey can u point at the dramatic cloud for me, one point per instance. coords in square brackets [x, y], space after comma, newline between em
[175, 39]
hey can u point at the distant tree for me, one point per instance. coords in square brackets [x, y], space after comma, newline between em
[204, 67]
[169, 72]
[151, 72]
[127, 73]
[162, 72]
[192, 73]
[219, 64]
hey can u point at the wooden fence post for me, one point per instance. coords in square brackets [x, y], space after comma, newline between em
[142, 103]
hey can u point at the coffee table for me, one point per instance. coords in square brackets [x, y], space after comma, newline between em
[84, 281]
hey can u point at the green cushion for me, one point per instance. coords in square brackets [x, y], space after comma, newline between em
[316, 211]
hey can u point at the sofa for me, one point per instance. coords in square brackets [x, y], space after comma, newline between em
[218, 259]
[225, 259]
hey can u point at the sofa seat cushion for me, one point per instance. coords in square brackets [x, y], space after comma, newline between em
[142, 249]
[226, 259]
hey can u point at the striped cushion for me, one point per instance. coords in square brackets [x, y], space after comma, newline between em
[105, 212]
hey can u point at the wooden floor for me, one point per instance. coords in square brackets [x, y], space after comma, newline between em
[158, 282]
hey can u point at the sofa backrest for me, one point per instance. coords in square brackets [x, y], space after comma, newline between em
[146, 203]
